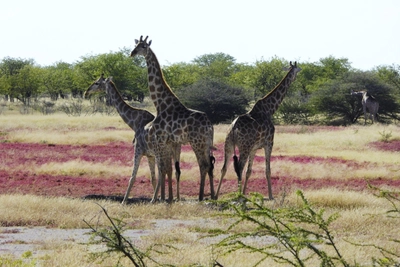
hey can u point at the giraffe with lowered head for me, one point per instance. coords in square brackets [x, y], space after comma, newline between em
[174, 122]
[136, 119]
[369, 103]
[255, 130]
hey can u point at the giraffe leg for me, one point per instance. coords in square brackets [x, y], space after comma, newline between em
[162, 184]
[228, 151]
[161, 179]
[152, 166]
[138, 157]
[223, 172]
[169, 175]
[249, 170]
[204, 164]
[203, 172]
[268, 151]
[155, 194]
[244, 155]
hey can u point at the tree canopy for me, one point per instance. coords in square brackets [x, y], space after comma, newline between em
[216, 84]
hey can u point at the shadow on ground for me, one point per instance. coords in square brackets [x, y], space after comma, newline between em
[119, 199]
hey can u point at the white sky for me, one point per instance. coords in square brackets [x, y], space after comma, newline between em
[363, 31]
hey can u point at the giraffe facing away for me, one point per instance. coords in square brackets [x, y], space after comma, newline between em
[175, 123]
[368, 103]
[255, 130]
[136, 119]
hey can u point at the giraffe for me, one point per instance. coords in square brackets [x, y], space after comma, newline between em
[368, 102]
[136, 119]
[255, 130]
[175, 122]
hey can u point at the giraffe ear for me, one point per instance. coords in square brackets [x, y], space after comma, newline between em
[136, 41]
[149, 42]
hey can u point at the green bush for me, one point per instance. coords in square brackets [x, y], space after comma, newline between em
[220, 101]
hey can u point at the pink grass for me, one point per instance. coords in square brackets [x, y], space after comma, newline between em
[24, 181]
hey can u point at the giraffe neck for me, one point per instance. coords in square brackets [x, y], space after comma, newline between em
[270, 102]
[134, 117]
[160, 92]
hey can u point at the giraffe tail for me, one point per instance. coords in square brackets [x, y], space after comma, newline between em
[235, 158]
[177, 168]
[236, 164]
[212, 161]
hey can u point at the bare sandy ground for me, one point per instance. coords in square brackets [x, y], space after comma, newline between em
[18, 240]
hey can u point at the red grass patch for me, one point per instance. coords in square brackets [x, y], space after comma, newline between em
[13, 155]
[392, 146]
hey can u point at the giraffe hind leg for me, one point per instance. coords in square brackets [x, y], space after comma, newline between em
[249, 170]
[228, 151]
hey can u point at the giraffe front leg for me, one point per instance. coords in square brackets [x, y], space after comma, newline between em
[239, 166]
[133, 177]
[169, 176]
[202, 184]
[155, 194]
[159, 181]
[152, 166]
[268, 151]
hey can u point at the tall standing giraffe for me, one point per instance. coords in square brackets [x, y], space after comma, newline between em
[368, 103]
[255, 130]
[176, 123]
[136, 119]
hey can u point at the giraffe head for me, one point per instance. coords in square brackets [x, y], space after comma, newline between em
[358, 92]
[97, 86]
[141, 47]
[294, 68]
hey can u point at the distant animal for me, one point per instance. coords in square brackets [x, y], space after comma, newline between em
[368, 103]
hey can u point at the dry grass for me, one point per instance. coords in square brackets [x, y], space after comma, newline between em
[361, 220]
[349, 143]
[61, 212]
[61, 129]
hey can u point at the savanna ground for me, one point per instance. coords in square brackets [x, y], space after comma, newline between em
[50, 164]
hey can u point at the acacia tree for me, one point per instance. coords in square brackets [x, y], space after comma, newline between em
[27, 83]
[9, 69]
[216, 66]
[58, 79]
[219, 100]
[266, 75]
[335, 101]
[390, 75]
[180, 75]
[128, 74]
